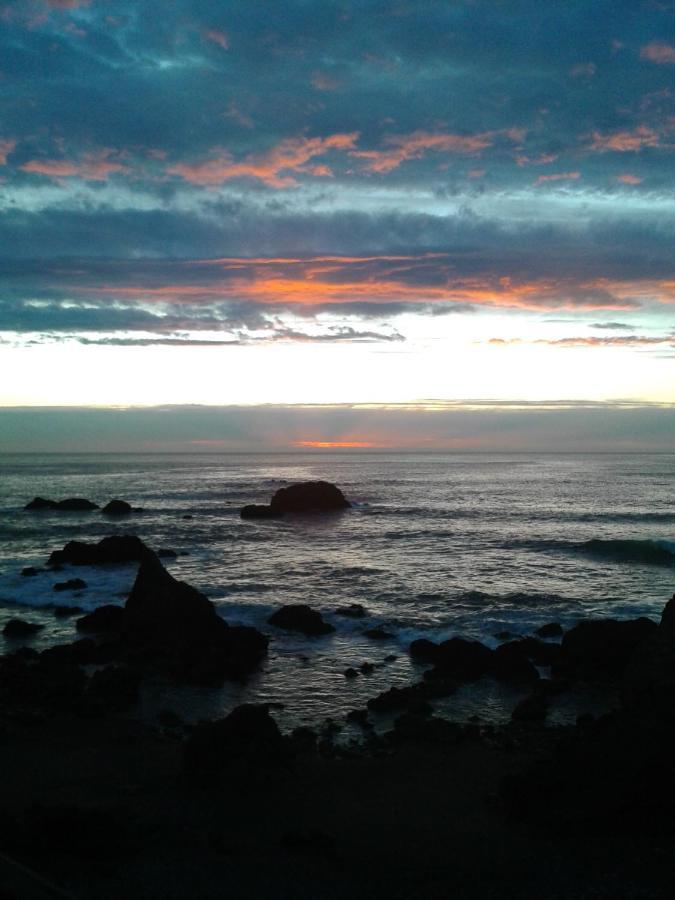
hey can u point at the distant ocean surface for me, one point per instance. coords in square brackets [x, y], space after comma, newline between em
[436, 545]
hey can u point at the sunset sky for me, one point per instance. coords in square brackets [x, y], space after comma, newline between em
[337, 204]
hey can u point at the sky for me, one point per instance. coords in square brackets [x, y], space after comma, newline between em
[453, 208]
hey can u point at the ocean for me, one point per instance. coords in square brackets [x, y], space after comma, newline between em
[436, 545]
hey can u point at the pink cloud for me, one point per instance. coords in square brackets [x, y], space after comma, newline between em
[94, 166]
[6, 147]
[559, 176]
[659, 52]
[583, 70]
[626, 141]
[624, 340]
[476, 173]
[290, 155]
[415, 145]
[629, 179]
[66, 4]
[322, 81]
[541, 160]
[216, 37]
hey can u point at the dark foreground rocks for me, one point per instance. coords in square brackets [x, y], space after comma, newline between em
[19, 628]
[305, 497]
[302, 618]
[117, 508]
[71, 504]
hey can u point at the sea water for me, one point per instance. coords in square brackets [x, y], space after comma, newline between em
[435, 545]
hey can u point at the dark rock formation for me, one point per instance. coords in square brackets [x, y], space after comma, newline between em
[379, 633]
[603, 647]
[19, 628]
[73, 584]
[367, 668]
[649, 678]
[423, 650]
[167, 553]
[72, 504]
[353, 611]
[104, 620]
[415, 726]
[117, 508]
[29, 571]
[300, 617]
[63, 612]
[114, 687]
[532, 709]
[350, 673]
[40, 503]
[113, 549]
[461, 659]
[260, 511]
[174, 625]
[309, 496]
[510, 663]
[249, 734]
[551, 630]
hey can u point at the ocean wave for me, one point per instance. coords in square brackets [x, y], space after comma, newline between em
[650, 552]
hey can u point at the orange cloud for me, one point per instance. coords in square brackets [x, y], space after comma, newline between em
[415, 145]
[6, 147]
[626, 141]
[322, 81]
[559, 176]
[324, 445]
[659, 52]
[92, 167]
[216, 37]
[288, 156]
[629, 179]
[624, 340]
[541, 160]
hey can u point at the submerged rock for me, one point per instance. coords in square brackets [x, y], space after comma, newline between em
[113, 549]
[73, 584]
[29, 572]
[300, 617]
[19, 628]
[379, 633]
[117, 508]
[71, 504]
[353, 611]
[309, 496]
[40, 503]
[551, 630]
[260, 511]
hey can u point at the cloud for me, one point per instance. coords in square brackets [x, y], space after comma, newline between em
[290, 155]
[628, 340]
[583, 70]
[6, 147]
[413, 146]
[216, 37]
[626, 141]
[659, 52]
[559, 176]
[612, 326]
[627, 178]
[93, 166]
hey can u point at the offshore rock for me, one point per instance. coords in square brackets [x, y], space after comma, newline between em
[309, 496]
[113, 549]
[19, 628]
[260, 511]
[300, 617]
[73, 584]
[459, 658]
[117, 508]
[72, 504]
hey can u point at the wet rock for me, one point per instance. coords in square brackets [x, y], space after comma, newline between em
[73, 584]
[107, 619]
[602, 647]
[29, 572]
[353, 611]
[167, 553]
[260, 511]
[461, 659]
[648, 684]
[350, 673]
[187, 517]
[367, 668]
[248, 734]
[302, 618]
[541, 653]
[117, 508]
[391, 657]
[423, 650]
[510, 663]
[113, 549]
[551, 630]
[40, 503]
[309, 496]
[19, 628]
[360, 716]
[379, 633]
[411, 697]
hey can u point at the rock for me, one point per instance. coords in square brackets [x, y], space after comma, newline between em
[173, 623]
[411, 697]
[391, 657]
[113, 549]
[260, 511]
[541, 653]
[350, 673]
[40, 503]
[360, 716]
[423, 650]
[367, 668]
[353, 611]
[300, 617]
[648, 684]
[249, 734]
[115, 687]
[73, 584]
[510, 663]
[552, 630]
[459, 658]
[424, 727]
[117, 508]
[105, 619]
[532, 709]
[187, 517]
[309, 496]
[29, 572]
[19, 628]
[603, 647]
[62, 612]
[379, 633]
[167, 553]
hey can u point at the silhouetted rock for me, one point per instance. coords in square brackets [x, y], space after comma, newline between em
[367, 668]
[249, 734]
[353, 611]
[115, 687]
[462, 659]
[411, 697]
[309, 496]
[176, 625]
[510, 662]
[551, 630]
[73, 584]
[424, 650]
[532, 709]
[19, 628]
[113, 549]
[166, 553]
[602, 647]
[649, 678]
[350, 673]
[415, 726]
[379, 633]
[260, 511]
[541, 653]
[40, 503]
[29, 572]
[117, 508]
[300, 617]
[105, 619]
